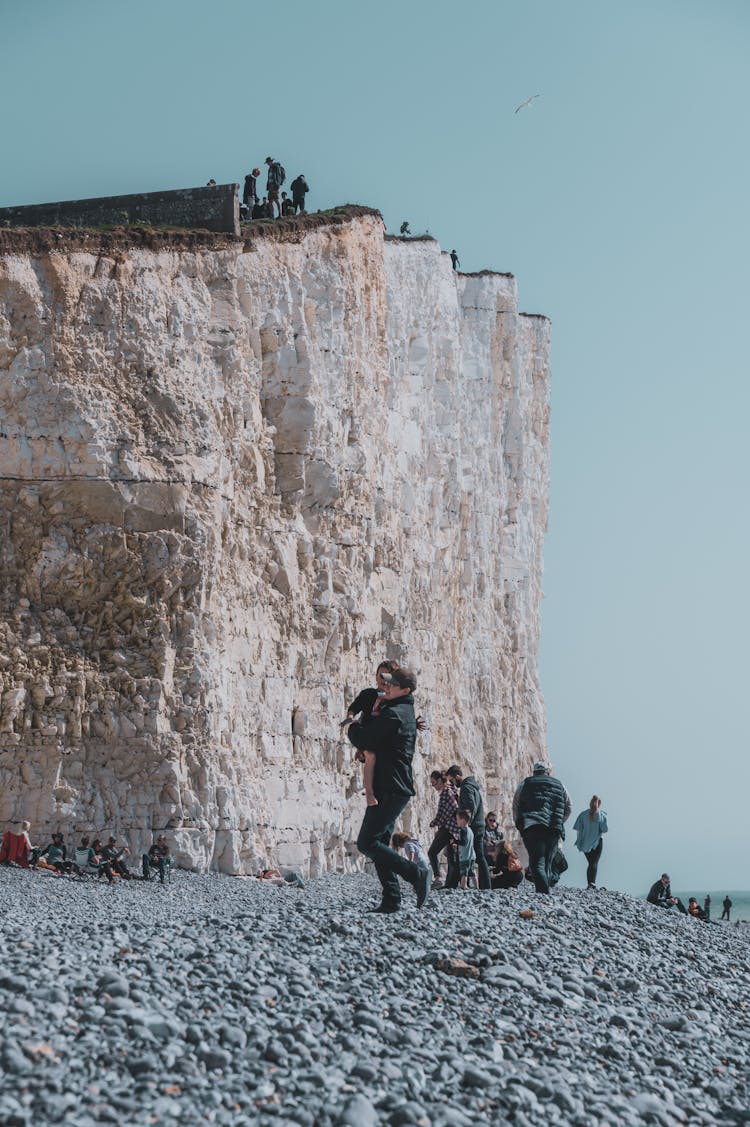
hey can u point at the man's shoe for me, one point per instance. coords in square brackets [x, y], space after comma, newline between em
[423, 885]
[385, 909]
[437, 883]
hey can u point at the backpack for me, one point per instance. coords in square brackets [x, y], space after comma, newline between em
[279, 173]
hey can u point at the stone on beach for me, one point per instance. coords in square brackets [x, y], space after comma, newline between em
[234, 1001]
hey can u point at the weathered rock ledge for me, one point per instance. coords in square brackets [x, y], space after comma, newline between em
[235, 474]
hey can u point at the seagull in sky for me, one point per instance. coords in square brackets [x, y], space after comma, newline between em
[528, 102]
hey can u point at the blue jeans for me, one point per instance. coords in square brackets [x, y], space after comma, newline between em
[375, 842]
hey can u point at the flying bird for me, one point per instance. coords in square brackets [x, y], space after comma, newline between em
[528, 102]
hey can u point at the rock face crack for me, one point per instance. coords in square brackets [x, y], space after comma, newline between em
[231, 484]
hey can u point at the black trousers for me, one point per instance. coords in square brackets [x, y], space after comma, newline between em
[541, 845]
[507, 880]
[299, 202]
[375, 842]
[440, 841]
[593, 862]
[483, 868]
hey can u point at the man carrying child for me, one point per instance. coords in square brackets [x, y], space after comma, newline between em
[385, 744]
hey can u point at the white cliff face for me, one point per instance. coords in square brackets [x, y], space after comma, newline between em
[233, 481]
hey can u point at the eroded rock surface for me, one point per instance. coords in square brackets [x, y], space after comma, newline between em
[232, 481]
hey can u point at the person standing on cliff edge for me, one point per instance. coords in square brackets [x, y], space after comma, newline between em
[455, 260]
[276, 177]
[299, 191]
[390, 738]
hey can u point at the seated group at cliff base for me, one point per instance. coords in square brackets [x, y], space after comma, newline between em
[255, 207]
[382, 725]
[91, 857]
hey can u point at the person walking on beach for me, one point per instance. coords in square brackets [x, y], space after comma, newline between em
[727, 907]
[470, 798]
[541, 806]
[444, 822]
[589, 827]
[707, 906]
[390, 738]
[660, 894]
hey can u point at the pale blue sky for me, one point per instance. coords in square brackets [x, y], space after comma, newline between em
[619, 200]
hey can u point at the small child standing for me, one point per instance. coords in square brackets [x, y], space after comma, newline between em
[462, 849]
[413, 850]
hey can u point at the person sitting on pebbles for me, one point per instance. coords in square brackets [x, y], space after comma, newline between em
[660, 894]
[158, 857]
[115, 854]
[89, 859]
[508, 870]
[54, 857]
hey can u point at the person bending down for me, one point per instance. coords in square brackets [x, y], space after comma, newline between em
[508, 871]
[412, 849]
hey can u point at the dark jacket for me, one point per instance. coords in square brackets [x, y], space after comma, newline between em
[299, 188]
[659, 894]
[392, 736]
[250, 194]
[275, 178]
[470, 798]
[545, 799]
[364, 702]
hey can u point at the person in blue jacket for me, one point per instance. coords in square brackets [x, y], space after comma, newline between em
[590, 826]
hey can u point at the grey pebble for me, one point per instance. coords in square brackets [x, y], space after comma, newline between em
[240, 1003]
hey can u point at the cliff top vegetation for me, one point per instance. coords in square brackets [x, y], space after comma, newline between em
[42, 240]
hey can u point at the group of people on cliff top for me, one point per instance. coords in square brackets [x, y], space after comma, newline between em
[253, 207]
[382, 726]
[89, 858]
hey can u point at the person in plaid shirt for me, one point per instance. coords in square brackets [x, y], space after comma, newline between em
[444, 821]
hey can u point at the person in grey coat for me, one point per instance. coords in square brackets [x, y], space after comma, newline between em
[541, 805]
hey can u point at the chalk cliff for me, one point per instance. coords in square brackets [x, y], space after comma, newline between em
[233, 478]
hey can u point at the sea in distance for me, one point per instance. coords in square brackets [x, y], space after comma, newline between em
[740, 909]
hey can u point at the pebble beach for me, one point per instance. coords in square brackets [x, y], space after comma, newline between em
[228, 1001]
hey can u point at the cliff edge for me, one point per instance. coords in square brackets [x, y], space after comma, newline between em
[235, 476]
